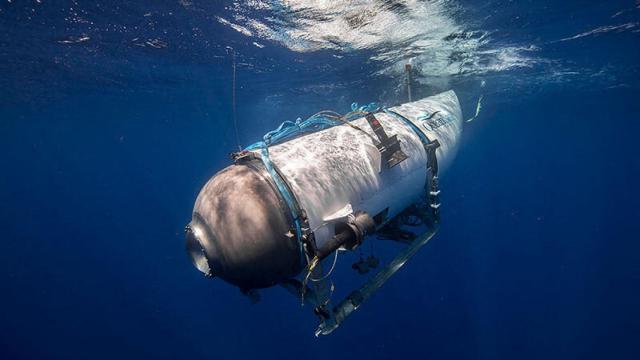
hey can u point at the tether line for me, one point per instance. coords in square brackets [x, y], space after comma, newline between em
[233, 100]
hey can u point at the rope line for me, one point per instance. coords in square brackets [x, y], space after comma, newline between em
[233, 99]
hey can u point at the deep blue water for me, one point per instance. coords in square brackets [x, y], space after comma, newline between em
[106, 141]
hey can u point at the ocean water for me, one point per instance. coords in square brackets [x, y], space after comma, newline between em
[113, 114]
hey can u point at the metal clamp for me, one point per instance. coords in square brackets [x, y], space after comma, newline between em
[389, 147]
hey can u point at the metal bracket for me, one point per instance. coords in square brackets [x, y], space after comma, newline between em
[389, 147]
[239, 157]
[432, 185]
[331, 320]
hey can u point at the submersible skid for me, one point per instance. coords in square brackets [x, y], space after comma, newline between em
[285, 205]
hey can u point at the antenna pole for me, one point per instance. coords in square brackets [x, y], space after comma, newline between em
[407, 70]
[233, 100]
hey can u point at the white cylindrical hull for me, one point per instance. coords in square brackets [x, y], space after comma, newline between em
[340, 166]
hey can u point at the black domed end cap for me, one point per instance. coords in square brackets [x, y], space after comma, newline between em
[241, 230]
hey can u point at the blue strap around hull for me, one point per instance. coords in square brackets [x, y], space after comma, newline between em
[425, 140]
[287, 195]
[286, 131]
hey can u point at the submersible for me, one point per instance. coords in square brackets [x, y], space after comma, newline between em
[322, 185]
